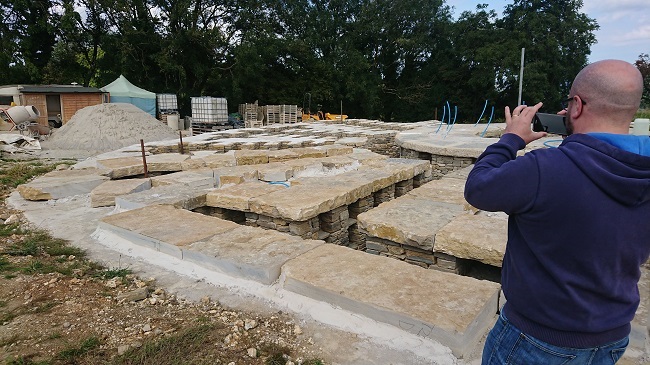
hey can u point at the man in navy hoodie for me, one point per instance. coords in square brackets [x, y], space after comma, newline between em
[578, 227]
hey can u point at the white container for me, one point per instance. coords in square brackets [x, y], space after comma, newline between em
[21, 114]
[206, 109]
[172, 121]
[641, 126]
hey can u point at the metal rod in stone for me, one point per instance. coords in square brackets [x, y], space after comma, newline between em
[144, 159]
[180, 135]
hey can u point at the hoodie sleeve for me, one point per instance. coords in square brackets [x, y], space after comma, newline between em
[501, 181]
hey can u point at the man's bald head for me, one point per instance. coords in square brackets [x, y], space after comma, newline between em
[611, 90]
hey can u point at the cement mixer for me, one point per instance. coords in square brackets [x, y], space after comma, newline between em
[20, 114]
[24, 118]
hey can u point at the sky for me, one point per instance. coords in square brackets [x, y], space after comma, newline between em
[624, 25]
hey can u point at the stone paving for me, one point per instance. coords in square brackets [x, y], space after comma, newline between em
[301, 208]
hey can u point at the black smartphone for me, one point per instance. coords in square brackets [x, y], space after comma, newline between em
[550, 123]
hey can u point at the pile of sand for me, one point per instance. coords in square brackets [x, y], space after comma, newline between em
[107, 127]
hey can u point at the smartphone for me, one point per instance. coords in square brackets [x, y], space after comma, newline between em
[550, 123]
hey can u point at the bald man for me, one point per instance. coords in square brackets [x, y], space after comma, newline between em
[578, 228]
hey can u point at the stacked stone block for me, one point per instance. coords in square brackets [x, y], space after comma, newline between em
[403, 187]
[358, 238]
[384, 195]
[416, 256]
[336, 223]
[421, 179]
[442, 165]
[308, 229]
[227, 214]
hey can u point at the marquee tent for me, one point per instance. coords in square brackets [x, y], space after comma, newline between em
[123, 91]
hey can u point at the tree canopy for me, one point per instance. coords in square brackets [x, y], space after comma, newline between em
[392, 60]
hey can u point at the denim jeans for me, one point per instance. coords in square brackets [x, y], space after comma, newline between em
[506, 344]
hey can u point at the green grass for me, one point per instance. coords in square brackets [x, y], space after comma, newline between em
[71, 354]
[169, 350]
[7, 230]
[107, 274]
[21, 173]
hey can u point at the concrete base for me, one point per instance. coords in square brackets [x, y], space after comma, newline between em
[455, 310]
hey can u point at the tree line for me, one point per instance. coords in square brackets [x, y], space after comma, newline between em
[385, 59]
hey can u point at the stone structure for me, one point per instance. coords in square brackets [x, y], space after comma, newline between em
[261, 205]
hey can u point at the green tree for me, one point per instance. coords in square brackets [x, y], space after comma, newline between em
[30, 25]
[557, 38]
[643, 64]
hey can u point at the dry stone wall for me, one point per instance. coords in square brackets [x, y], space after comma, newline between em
[441, 164]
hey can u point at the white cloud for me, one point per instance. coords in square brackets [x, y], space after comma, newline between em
[637, 35]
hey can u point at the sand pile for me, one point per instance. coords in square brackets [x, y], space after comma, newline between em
[107, 127]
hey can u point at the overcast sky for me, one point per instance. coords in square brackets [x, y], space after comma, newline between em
[624, 25]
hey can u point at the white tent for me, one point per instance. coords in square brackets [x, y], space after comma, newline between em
[123, 91]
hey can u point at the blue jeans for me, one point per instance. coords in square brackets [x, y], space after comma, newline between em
[506, 344]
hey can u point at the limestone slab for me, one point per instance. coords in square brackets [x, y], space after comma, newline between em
[220, 160]
[336, 150]
[275, 172]
[61, 184]
[122, 166]
[476, 237]
[234, 175]
[452, 309]
[104, 194]
[166, 162]
[309, 152]
[250, 253]
[251, 157]
[198, 179]
[408, 221]
[403, 168]
[461, 174]
[193, 163]
[282, 155]
[300, 202]
[446, 190]
[164, 228]
[237, 197]
[178, 196]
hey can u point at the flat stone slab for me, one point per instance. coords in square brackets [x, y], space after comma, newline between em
[238, 197]
[132, 166]
[452, 309]
[249, 253]
[251, 157]
[445, 190]
[104, 195]
[409, 221]
[481, 237]
[61, 184]
[197, 179]
[122, 166]
[179, 196]
[235, 175]
[165, 228]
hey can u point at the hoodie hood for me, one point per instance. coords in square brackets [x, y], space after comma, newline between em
[621, 174]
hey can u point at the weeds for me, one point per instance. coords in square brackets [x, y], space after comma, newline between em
[23, 172]
[170, 350]
[113, 273]
[7, 230]
[71, 354]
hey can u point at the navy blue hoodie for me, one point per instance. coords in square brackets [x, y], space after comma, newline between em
[578, 232]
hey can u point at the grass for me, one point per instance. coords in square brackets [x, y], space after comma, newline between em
[107, 274]
[21, 173]
[70, 355]
[169, 350]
